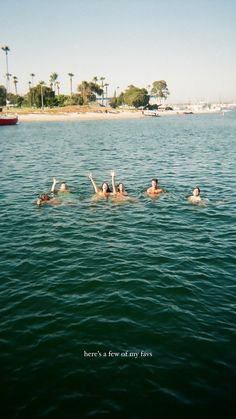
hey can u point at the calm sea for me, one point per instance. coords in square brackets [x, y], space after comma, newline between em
[118, 310]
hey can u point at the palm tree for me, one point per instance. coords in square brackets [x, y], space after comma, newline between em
[6, 49]
[106, 86]
[15, 81]
[30, 93]
[102, 79]
[53, 79]
[58, 87]
[41, 84]
[32, 77]
[8, 77]
[71, 75]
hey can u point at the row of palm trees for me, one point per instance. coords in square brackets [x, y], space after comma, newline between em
[53, 78]
[6, 49]
[54, 83]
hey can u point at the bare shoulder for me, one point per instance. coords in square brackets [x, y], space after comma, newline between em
[194, 199]
[150, 191]
[53, 201]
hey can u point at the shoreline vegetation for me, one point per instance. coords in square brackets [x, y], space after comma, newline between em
[71, 113]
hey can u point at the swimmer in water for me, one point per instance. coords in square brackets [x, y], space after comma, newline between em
[45, 199]
[154, 189]
[63, 187]
[119, 190]
[104, 191]
[195, 198]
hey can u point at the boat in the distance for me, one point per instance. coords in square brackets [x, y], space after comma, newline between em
[150, 113]
[8, 119]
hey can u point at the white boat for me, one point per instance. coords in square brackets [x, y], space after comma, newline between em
[150, 113]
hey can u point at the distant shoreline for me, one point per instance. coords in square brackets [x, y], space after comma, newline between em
[76, 116]
[87, 114]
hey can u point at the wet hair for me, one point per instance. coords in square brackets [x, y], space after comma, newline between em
[155, 180]
[44, 197]
[118, 187]
[108, 187]
[64, 183]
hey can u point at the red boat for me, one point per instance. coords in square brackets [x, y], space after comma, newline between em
[8, 119]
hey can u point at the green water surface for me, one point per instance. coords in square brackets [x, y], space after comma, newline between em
[118, 310]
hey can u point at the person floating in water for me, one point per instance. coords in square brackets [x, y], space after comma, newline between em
[118, 191]
[63, 187]
[154, 189]
[45, 199]
[195, 198]
[104, 191]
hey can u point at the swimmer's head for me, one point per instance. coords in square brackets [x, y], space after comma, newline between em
[154, 183]
[63, 187]
[196, 191]
[105, 188]
[121, 187]
[44, 197]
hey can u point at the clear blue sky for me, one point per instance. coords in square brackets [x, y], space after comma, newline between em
[188, 43]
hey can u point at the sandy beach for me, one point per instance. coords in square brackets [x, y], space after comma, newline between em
[86, 113]
[74, 116]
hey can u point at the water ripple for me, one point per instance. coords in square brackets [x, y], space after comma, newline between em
[152, 277]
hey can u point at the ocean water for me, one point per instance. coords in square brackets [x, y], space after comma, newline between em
[114, 309]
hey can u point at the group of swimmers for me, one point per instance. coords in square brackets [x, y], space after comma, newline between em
[118, 191]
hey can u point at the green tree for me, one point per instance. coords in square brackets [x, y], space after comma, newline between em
[41, 86]
[75, 99]
[32, 75]
[15, 100]
[61, 99]
[88, 91]
[53, 80]
[43, 96]
[15, 81]
[3, 94]
[134, 96]
[116, 100]
[95, 88]
[57, 84]
[102, 85]
[160, 90]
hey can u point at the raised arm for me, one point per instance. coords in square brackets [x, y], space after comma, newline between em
[53, 188]
[97, 190]
[113, 182]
